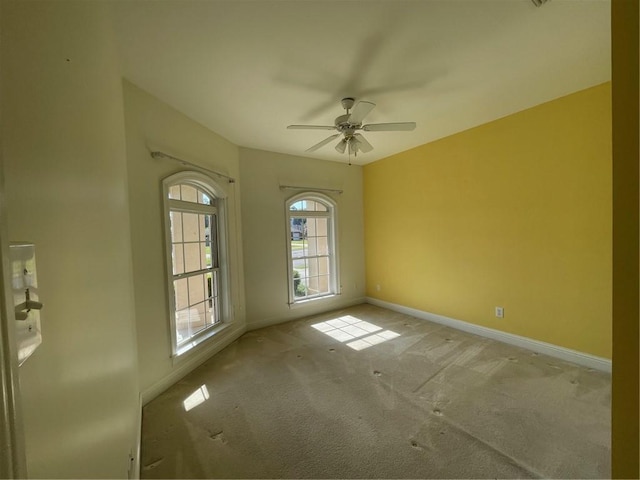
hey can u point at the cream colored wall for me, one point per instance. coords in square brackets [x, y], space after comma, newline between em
[151, 123]
[264, 231]
[514, 213]
[64, 162]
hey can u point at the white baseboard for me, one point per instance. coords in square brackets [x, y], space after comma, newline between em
[580, 358]
[305, 310]
[183, 368]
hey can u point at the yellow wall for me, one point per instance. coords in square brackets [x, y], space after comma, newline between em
[514, 213]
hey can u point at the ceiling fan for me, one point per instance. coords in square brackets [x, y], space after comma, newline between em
[348, 124]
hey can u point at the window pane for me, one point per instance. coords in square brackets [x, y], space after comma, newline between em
[312, 246]
[182, 325]
[208, 222]
[201, 227]
[322, 227]
[310, 227]
[299, 285]
[214, 257]
[203, 198]
[196, 289]
[213, 240]
[323, 266]
[296, 278]
[196, 318]
[323, 245]
[312, 266]
[296, 248]
[305, 273]
[308, 206]
[209, 285]
[216, 310]
[176, 226]
[214, 303]
[189, 194]
[323, 284]
[174, 192]
[313, 286]
[209, 316]
[181, 292]
[215, 289]
[208, 320]
[177, 256]
[190, 227]
[191, 257]
[298, 228]
[213, 311]
[297, 206]
[205, 257]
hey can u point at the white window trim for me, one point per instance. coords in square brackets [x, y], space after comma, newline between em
[332, 215]
[209, 185]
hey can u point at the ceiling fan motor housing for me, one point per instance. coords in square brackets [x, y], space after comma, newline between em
[342, 122]
[343, 125]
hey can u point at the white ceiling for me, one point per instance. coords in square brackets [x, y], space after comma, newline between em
[247, 69]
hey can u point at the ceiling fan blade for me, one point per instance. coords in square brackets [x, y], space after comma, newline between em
[363, 145]
[311, 127]
[342, 145]
[322, 143]
[360, 110]
[389, 127]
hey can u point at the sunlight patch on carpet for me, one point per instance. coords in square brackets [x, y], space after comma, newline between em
[196, 398]
[358, 333]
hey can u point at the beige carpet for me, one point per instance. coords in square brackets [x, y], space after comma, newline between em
[369, 393]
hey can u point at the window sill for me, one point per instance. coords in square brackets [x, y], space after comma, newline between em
[310, 301]
[188, 349]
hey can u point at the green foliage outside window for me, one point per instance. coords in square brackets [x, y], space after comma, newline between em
[299, 288]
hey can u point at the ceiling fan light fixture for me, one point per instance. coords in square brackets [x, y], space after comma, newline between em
[363, 145]
[341, 146]
[352, 143]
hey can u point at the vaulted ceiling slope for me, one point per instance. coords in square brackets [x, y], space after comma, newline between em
[247, 69]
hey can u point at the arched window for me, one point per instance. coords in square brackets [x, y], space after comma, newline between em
[195, 216]
[311, 234]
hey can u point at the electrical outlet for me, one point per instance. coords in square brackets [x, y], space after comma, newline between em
[500, 312]
[378, 287]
